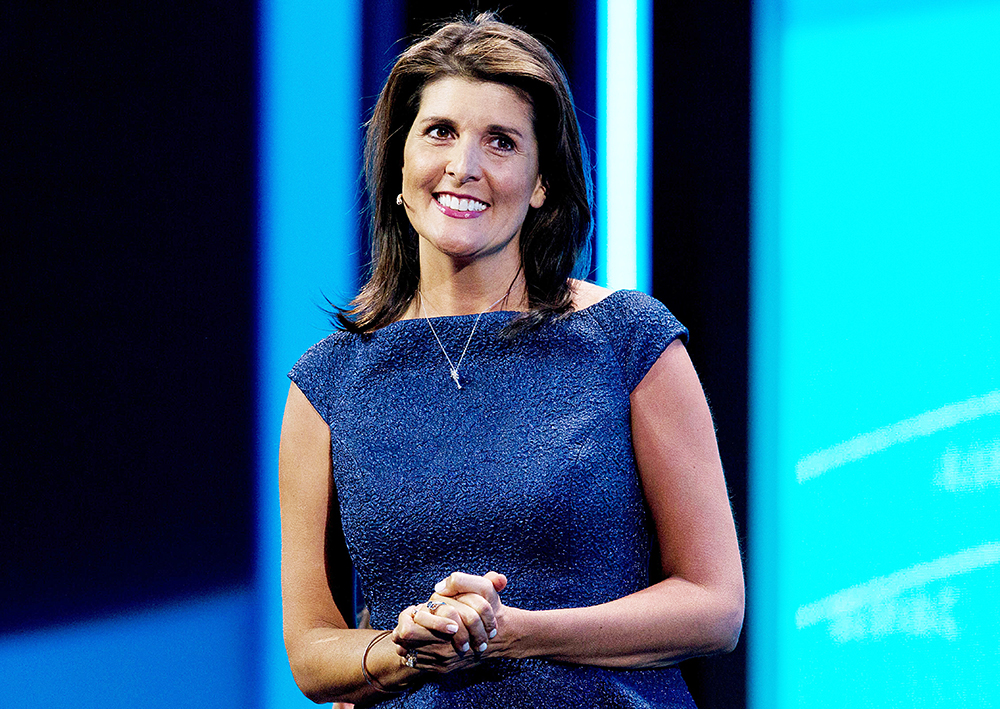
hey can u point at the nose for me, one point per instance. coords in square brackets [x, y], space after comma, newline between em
[465, 161]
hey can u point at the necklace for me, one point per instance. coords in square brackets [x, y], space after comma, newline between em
[452, 366]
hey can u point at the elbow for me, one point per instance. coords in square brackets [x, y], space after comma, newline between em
[314, 694]
[731, 626]
[313, 690]
[307, 683]
[727, 624]
[309, 680]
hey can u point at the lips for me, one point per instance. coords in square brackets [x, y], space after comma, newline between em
[460, 207]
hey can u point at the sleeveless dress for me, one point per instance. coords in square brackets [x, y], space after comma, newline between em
[527, 470]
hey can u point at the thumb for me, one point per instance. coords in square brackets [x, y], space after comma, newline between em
[499, 581]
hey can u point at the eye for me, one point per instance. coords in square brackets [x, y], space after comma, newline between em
[502, 143]
[439, 132]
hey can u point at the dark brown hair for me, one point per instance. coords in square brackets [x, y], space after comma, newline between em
[553, 237]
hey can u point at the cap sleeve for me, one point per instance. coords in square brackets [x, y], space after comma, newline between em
[639, 328]
[313, 374]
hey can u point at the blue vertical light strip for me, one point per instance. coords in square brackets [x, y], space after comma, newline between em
[644, 146]
[763, 586]
[624, 250]
[309, 165]
[601, 259]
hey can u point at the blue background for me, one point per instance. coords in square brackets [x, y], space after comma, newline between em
[876, 474]
[186, 197]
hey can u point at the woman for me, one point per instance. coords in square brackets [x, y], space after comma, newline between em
[508, 445]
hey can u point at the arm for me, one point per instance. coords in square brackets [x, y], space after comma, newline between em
[698, 608]
[325, 655]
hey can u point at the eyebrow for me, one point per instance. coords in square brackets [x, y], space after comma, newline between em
[492, 128]
[497, 128]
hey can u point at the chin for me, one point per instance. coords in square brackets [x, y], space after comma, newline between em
[456, 247]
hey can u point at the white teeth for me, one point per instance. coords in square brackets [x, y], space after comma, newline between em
[461, 205]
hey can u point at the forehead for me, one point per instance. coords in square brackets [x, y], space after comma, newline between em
[476, 101]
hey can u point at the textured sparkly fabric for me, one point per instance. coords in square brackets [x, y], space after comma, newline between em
[527, 470]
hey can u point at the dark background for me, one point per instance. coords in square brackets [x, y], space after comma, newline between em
[129, 277]
[129, 271]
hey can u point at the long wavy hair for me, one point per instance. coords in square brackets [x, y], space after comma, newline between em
[554, 238]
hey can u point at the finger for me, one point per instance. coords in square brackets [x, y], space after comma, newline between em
[410, 632]
[461, 639]
[403, 621]
[472, 621]
[405, 613]
[428, 663]
[440, 652]
[438, 657]
[499, 580]
[486, 614]
[435, 623]
[459, 583]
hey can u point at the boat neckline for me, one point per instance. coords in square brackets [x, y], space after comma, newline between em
[494, 313]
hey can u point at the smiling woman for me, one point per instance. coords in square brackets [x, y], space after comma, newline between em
[518, 80]
[470, 174]
[503, 521]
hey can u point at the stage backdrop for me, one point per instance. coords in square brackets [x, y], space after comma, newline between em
[876, 381]
[149, 296]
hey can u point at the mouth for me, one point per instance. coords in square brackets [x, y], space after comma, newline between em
[461, 207]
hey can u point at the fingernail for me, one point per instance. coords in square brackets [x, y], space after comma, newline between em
[493, 633]
[482, 648]
[451, 628]
[439, 586]
[465, 648]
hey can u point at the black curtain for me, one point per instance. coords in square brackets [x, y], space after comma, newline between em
[129, 278]
[701, 206]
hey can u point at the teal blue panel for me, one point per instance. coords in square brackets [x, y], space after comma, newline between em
[763, 588]
[309, 165]
[192, 654]
[831, 11]
[885, 358]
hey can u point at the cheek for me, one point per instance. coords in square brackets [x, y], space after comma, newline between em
[410, 164]
[420, 164]
[417, 172]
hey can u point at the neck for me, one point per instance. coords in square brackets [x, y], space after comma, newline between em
[469, 290]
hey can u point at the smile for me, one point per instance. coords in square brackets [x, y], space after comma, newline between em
[461, 207]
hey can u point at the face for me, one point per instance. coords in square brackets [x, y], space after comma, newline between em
[470, 169]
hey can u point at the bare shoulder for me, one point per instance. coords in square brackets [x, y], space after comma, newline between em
[586, 294]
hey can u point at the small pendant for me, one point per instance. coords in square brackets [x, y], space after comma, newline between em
[454, 376]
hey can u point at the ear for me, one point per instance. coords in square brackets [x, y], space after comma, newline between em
[538, 195]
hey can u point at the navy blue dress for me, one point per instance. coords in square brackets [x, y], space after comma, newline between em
[526, 470]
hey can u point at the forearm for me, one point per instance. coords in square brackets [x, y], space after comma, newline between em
[658, 626]
[326, 664]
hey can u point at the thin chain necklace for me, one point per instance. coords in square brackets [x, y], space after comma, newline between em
[453, 367]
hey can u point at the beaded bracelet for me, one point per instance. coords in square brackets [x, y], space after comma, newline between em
[372, 682]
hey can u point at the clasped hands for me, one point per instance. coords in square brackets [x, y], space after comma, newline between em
[457, 625]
